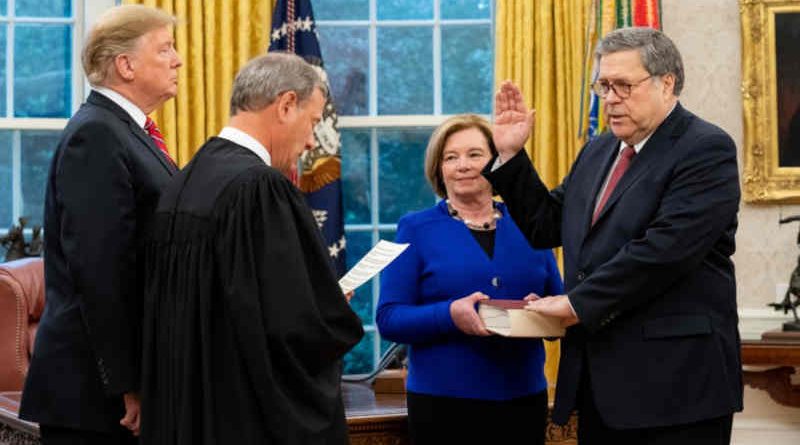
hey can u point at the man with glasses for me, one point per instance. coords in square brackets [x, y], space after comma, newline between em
[647, 219]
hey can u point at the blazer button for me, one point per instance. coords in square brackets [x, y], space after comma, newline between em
[581, 275]
[496, 282]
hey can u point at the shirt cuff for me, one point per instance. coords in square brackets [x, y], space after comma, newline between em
[571, 308]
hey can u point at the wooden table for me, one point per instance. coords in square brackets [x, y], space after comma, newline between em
[780, 353]
[12, 430]
[372, 419]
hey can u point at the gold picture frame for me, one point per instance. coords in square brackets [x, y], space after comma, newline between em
[771, 100]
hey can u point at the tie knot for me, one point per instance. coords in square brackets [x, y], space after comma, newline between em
[628, 152]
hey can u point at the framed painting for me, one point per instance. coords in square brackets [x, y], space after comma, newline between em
[771, 100]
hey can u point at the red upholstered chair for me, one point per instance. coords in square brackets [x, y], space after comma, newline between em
[21, 306]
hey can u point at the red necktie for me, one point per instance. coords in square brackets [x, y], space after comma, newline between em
[624, 162]
[152, 129]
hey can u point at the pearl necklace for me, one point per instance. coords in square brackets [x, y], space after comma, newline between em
[488, 225]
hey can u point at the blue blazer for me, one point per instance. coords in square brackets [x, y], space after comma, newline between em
[652, 281]
[444, 262]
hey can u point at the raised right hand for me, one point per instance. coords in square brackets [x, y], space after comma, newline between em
[513, 122]
[466, 319]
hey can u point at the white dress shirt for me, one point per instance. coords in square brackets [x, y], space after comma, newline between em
[135, 112]
[245, 140]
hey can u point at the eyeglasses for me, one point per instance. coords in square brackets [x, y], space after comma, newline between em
[621, 89]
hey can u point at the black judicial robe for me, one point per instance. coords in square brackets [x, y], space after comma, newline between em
[245, 325]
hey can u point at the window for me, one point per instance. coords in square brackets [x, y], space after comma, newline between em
[397, 68]
[41, 85]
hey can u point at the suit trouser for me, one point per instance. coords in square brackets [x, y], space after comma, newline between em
[593, 431]
[56, 435]
[434, 420]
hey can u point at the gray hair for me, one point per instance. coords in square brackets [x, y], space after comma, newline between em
[659, 54]
[266, 77]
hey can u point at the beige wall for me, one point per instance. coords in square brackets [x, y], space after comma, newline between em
[707, 33]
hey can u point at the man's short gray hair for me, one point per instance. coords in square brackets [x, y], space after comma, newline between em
[266, 77]
[659, 54]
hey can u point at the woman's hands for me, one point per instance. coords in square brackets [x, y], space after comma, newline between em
[465, 317]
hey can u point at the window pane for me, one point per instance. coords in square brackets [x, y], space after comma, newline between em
[360, 359]
[341, 10]
[355, 176]
[405, 9]
[405, 70]
[358, 244]
[345, 51]
[6, 176]
[467, 69]
[3, 7]
[466, 9]
[402, 184]
[37, 150]
[43, 8]
[42, 71]
[3, 110]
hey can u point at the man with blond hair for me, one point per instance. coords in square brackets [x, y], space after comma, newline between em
[105, 179]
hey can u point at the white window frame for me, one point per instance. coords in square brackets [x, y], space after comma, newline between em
[84, 13]
[374, 122]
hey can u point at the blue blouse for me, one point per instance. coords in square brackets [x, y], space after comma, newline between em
[443, 263]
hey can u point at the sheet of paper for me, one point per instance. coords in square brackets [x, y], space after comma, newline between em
[373, 262]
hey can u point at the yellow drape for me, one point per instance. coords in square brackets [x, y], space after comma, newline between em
[540, 46]
[214, 38]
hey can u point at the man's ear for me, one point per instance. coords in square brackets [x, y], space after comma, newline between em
[668, 82]
[123, 64]
[287, 104]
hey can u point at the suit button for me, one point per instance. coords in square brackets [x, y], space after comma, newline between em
[581, 275]
[496, 282]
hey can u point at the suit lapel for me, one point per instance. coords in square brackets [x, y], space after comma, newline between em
[148, 142]
[99, 100]
[649, 154]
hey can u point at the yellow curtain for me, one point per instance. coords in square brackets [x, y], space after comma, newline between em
[214, 38]
[540, 46]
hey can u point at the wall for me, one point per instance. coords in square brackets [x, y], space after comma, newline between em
[708, 34]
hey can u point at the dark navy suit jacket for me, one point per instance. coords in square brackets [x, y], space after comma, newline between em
[652, 281]
[104, 183]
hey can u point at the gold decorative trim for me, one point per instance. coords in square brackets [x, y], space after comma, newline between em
[763, 178]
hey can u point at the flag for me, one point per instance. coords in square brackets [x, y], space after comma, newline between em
[607, 15]
[320, 172]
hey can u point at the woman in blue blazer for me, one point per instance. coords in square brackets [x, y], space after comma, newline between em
[465, 385]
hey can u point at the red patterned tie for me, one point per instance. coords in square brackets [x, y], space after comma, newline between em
[152, 129]
[624, 162]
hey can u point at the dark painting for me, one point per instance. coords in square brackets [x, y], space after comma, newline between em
[787, 63]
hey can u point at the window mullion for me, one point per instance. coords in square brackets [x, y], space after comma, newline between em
[375, 220]
[437, 60]
[16, 176]
[10, 60]
[373, 59]
[76, 33]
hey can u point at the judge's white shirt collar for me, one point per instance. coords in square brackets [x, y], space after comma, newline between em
[245, 140]
[135, 112]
